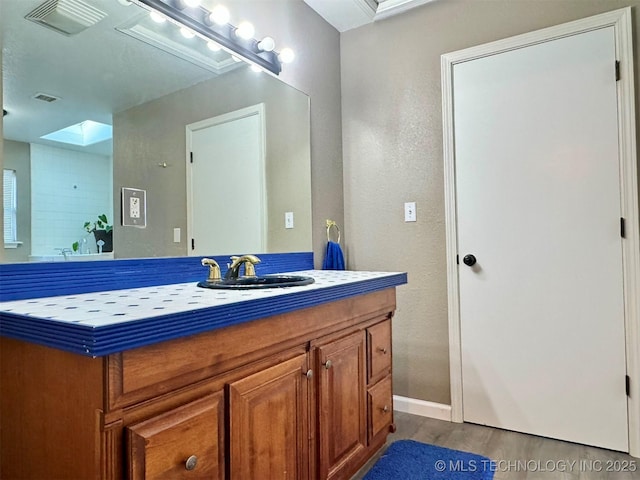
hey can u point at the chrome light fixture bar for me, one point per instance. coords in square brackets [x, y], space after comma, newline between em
[197, 19]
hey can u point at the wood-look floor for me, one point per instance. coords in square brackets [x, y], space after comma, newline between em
[516, 456]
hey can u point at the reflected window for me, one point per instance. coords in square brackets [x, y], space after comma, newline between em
[10, 204]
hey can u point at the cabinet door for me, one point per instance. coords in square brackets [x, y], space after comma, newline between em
[268, 414]
[184, 443]
[341, 383]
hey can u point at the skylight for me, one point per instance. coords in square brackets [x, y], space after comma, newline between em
[83, 134]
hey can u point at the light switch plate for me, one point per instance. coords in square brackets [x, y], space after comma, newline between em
[134, 207]
[288, 220]
[176, 235]
[410, 212]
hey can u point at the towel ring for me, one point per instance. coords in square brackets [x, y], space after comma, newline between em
[331, 223]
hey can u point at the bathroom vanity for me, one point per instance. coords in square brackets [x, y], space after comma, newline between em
[289, 383]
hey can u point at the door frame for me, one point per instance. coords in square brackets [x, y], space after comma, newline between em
[621, 21]
[239, 114]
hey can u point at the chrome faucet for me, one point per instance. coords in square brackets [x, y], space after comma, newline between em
[214, 270]
[234, 268]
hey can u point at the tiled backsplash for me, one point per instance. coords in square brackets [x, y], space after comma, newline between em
[36, 280]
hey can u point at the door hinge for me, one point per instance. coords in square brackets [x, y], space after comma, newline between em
[458, 259]
[191, 156]
[193, 244]
[627, 385]
[617, 70]
[623, 230]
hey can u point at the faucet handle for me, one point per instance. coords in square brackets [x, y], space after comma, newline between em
[249, 269]
[214, 269]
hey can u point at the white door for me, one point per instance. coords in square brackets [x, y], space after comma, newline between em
[538, 205]
[226, 187]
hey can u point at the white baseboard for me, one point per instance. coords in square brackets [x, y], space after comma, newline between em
[423, 408]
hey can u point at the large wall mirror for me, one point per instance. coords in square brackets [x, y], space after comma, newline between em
[146, 83]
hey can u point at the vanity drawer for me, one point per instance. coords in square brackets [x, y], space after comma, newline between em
[380, 407]
[184, 443]
[378, 351]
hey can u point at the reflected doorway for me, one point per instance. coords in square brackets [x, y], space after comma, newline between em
[226, 192]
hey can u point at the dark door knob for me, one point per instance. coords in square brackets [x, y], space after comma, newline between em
[469, 260]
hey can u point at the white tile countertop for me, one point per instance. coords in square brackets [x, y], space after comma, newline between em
[100, 323]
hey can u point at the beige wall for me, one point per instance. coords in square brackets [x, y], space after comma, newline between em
[17, 156]
[316, 71]
[392, 144]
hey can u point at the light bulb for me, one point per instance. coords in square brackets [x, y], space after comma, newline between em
[256, 68]
[192, 3]
[186, 33]
[236, 59]
[286, 55]
[245, 30]
[213, 46]
[267, 44]
[124, 3]
[158, 18]
[219, 15]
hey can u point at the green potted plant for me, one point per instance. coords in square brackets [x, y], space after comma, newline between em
[101, 230]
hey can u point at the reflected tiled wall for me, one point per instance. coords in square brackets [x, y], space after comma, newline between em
[68, 189]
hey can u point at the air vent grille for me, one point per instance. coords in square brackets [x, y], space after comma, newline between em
[66, 16]
[45, 97]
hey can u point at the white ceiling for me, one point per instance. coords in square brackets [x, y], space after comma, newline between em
[347, 14]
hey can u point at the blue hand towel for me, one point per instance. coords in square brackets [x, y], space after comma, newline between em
[334, 259]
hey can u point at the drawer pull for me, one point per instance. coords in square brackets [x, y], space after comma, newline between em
[327, 364]
[191, 462]
[385, 409]
[308, 374]
[383, 350]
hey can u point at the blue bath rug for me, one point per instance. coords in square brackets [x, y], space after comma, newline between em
[410, 460]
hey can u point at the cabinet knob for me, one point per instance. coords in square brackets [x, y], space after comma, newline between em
[383, 350]
[308, 374]
[385, 409]
[327, 364]
[191, 462]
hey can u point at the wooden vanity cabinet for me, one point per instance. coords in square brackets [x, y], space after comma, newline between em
[300, 395]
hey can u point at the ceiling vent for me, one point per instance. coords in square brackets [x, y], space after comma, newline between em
[45, 97]
[66, 16]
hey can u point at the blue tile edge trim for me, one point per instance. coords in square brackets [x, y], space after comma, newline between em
[101, 341]
[22, 281]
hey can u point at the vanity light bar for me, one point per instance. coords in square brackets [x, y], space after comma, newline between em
[196, 19]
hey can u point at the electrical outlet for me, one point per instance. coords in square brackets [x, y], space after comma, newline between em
[288, 220]
[134, 207]
[410, 212]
